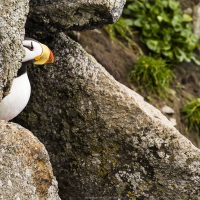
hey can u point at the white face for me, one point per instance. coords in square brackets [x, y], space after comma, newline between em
[32, 49]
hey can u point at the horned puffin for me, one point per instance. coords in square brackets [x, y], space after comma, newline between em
[18, 97]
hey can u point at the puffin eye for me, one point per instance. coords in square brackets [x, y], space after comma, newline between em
[29, 47]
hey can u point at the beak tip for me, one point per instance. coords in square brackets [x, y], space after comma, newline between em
[46, 57]
[51, 57]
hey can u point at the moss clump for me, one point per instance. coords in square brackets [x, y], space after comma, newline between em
[191, 115]
[152, 74]
[122, 33]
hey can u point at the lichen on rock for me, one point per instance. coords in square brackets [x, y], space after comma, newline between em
[103, 139]
[26, 172]
[47, 17]
[107, 141]
[12, 22]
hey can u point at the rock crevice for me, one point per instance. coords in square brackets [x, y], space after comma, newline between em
[48, 17]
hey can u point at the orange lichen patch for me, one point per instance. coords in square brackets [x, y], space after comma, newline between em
[42, 172]
[34, 157]
[42, 176]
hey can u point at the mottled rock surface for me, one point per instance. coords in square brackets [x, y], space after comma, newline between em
[196, 20]
[50, 16]
[192, 8]
[104, 141]
[12, 22]
[25, 169]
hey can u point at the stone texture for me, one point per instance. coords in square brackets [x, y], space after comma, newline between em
[12, 21]
[192, 8]
[104, 140]
[50, 16]
[188, 4]
[25, 169]
[196, 20]
[167, 110]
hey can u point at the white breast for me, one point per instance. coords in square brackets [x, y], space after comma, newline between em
[17, 99]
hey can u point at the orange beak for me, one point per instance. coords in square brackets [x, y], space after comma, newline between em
[51, 58]
[46, 56]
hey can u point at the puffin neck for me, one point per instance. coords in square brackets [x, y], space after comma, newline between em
[23, 69]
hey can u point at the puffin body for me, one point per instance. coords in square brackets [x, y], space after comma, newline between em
[20, 91]
[17, 99]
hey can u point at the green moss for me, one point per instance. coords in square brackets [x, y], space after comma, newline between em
[191, 115]
[152, 75]
[121, 33]
[131, 195]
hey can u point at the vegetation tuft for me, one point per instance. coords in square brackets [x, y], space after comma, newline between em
[167, 33]
[191, 115]
[163, 28]
[121, 31]
[152, 74]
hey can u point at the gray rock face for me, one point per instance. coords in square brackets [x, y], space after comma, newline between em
[12, 21]
[192, 8]
[104, 141]
[25, 170]
[196, 20]
[47, 17]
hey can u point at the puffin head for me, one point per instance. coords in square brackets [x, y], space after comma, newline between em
[37, 52]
